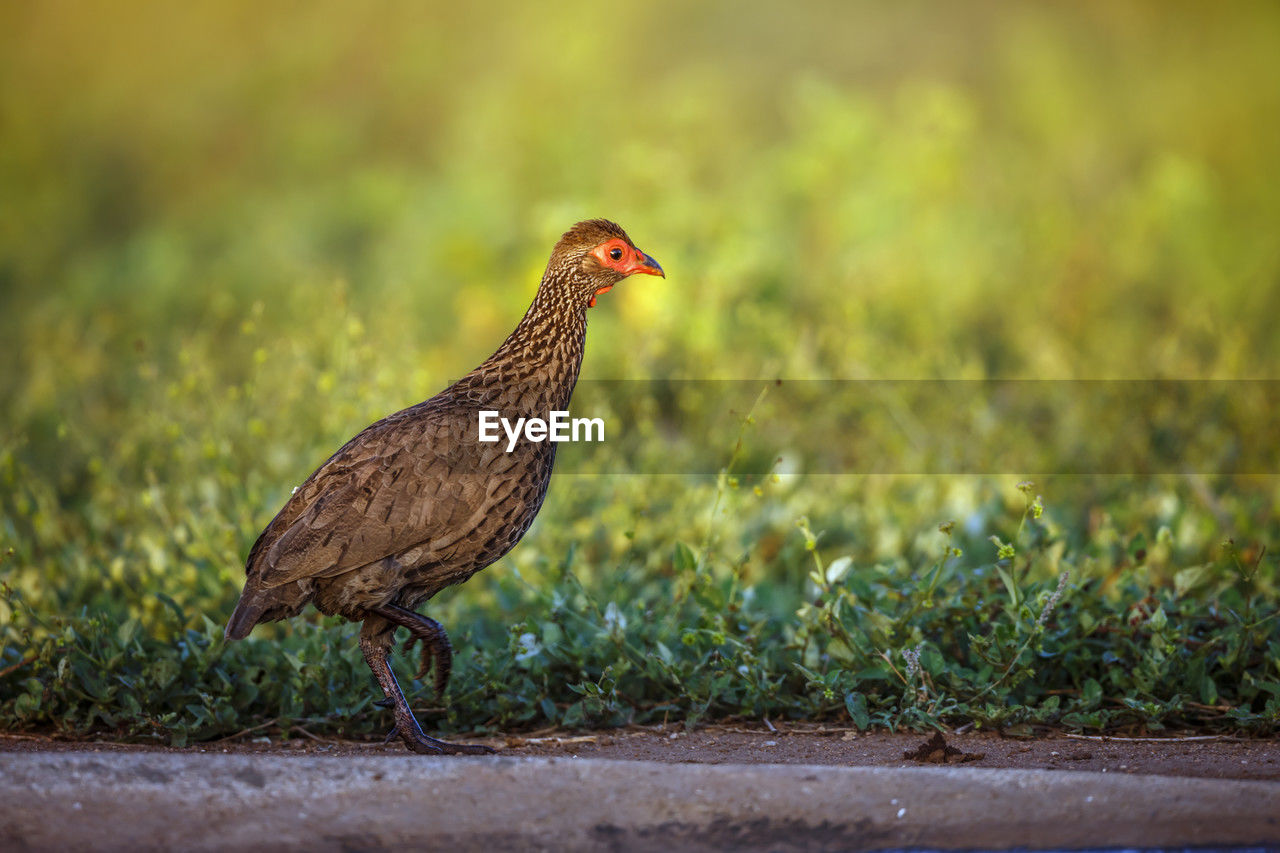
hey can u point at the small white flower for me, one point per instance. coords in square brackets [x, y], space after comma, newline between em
[613, 618]
[529, 646]
[912, 659]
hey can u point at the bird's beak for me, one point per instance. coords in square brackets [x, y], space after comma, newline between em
[646, 265]
[641, 263]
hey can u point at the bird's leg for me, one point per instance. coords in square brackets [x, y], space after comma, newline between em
[375, 643]
[435, 642]
[435, 649]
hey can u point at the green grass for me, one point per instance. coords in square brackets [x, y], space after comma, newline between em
[220, 256]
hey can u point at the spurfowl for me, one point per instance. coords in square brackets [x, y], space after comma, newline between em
[416, 502]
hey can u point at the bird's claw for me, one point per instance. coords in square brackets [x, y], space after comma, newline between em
[422, 744]
[422, 748]
[469, 749]
[436, 651]
[440, 747]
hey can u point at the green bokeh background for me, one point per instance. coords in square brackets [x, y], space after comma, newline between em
[232, 234]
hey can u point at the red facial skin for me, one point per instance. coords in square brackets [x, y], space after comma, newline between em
[630, 261]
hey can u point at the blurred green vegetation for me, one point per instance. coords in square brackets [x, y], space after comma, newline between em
[232, 235]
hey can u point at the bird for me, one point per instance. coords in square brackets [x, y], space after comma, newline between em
[415, 502]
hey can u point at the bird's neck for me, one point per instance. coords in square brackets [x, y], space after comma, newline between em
[539, 361]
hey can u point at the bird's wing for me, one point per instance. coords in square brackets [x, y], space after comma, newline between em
[403, 482]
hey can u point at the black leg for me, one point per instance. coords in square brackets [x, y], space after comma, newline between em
[375, 643]
[435, 642]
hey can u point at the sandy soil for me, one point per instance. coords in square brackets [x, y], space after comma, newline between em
[1175, 755]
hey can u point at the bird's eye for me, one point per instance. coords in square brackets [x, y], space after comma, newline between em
[615, 253]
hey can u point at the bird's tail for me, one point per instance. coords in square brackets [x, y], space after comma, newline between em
[247, 613]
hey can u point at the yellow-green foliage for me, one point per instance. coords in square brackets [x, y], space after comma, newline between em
[233, 234]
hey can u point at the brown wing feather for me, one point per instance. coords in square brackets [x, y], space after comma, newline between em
[401, 483]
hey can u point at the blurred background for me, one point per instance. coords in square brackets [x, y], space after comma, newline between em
[232, 234]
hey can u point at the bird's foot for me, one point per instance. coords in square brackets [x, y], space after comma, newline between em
[426, 745]
[374, 645]
[423, 744]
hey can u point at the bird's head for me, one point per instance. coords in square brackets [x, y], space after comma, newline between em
[593, 256]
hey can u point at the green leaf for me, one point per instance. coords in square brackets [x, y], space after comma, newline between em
[856, 704]
[125, 633]
[1190, 578]
[841, 652]
[174, 606]
[664, 653]
[1208, 691]
[683, 559]
[1009, 585]
[26, 706]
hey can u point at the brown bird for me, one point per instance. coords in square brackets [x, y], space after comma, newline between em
[416, 502]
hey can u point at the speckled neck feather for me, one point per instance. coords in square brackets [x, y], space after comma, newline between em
[545, 350]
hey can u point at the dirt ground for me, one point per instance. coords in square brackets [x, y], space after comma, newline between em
[1175, 755]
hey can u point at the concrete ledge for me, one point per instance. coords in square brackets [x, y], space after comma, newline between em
[145, 801]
